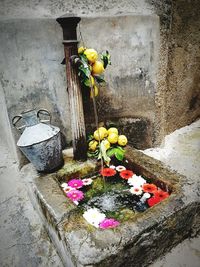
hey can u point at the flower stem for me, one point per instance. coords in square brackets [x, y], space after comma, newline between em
[97, 125]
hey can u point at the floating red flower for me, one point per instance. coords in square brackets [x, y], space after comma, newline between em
[153, 201]
[126, 174]
[161, 194]
[107, 172]
[149, 188]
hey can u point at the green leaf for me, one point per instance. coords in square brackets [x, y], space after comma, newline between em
[120, 148]
[119, 155]
[118, 152]
[90, 137]
[84, 70]
[86, 82]
[106, 59]
[93, 154]
[111, 152]
[99, 79]
[83, 58]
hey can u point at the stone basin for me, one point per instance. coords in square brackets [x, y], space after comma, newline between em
[136, 242]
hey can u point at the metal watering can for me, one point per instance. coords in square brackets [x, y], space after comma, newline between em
[39, 142]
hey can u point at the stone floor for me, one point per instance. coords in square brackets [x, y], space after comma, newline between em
[23, 240]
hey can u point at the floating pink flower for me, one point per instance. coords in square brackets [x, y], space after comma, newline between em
[75, 195]
[126, 174]
[87, 181]
[108, 172]
[108, 223]
[75, 183]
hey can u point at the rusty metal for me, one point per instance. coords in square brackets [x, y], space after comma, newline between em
[69, 24]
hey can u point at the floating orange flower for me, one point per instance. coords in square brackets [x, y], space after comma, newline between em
[161, 194]
[149, 188]
[107, 172]
[126, 174]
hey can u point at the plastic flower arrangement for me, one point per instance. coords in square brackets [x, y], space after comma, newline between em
[92, 68]
[106, 144]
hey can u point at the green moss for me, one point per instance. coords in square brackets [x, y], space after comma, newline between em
[76, 169]
[96, 188]
[127, 214]
[121, 215]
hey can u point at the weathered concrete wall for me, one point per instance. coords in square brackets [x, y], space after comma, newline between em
[6, 137]
[31, 73]
[139, 83]
[182, 97]
[31, 52]
[56, 8]
[133, 42]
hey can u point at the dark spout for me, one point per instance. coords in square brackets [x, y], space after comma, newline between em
[69, 24]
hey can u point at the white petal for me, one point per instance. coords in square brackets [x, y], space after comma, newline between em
[112, 167]
[64, 185]
[120, 168]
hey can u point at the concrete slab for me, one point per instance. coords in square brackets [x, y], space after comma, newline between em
[181, 152]
[23, 239]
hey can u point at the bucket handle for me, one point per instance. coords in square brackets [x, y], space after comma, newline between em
[15, 120]
[44, 112]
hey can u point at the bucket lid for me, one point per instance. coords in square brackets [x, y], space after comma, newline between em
[36, 134]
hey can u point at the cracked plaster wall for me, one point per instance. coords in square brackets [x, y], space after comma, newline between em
[182, 97]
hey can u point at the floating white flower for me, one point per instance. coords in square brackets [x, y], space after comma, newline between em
[136, 190]
[136, 180]
[67, 188]
[120, 168]
[112, 167]
[87, 181]
[64, 185]
[94, 216]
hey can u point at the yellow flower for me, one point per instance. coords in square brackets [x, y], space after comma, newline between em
[93, 145]
[91, 55]
[99, 134]
[122, 140]
[97, 67]
[113, 138]
[81, 49]
[112, 130]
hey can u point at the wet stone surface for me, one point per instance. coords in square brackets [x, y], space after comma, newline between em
[144, 237]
